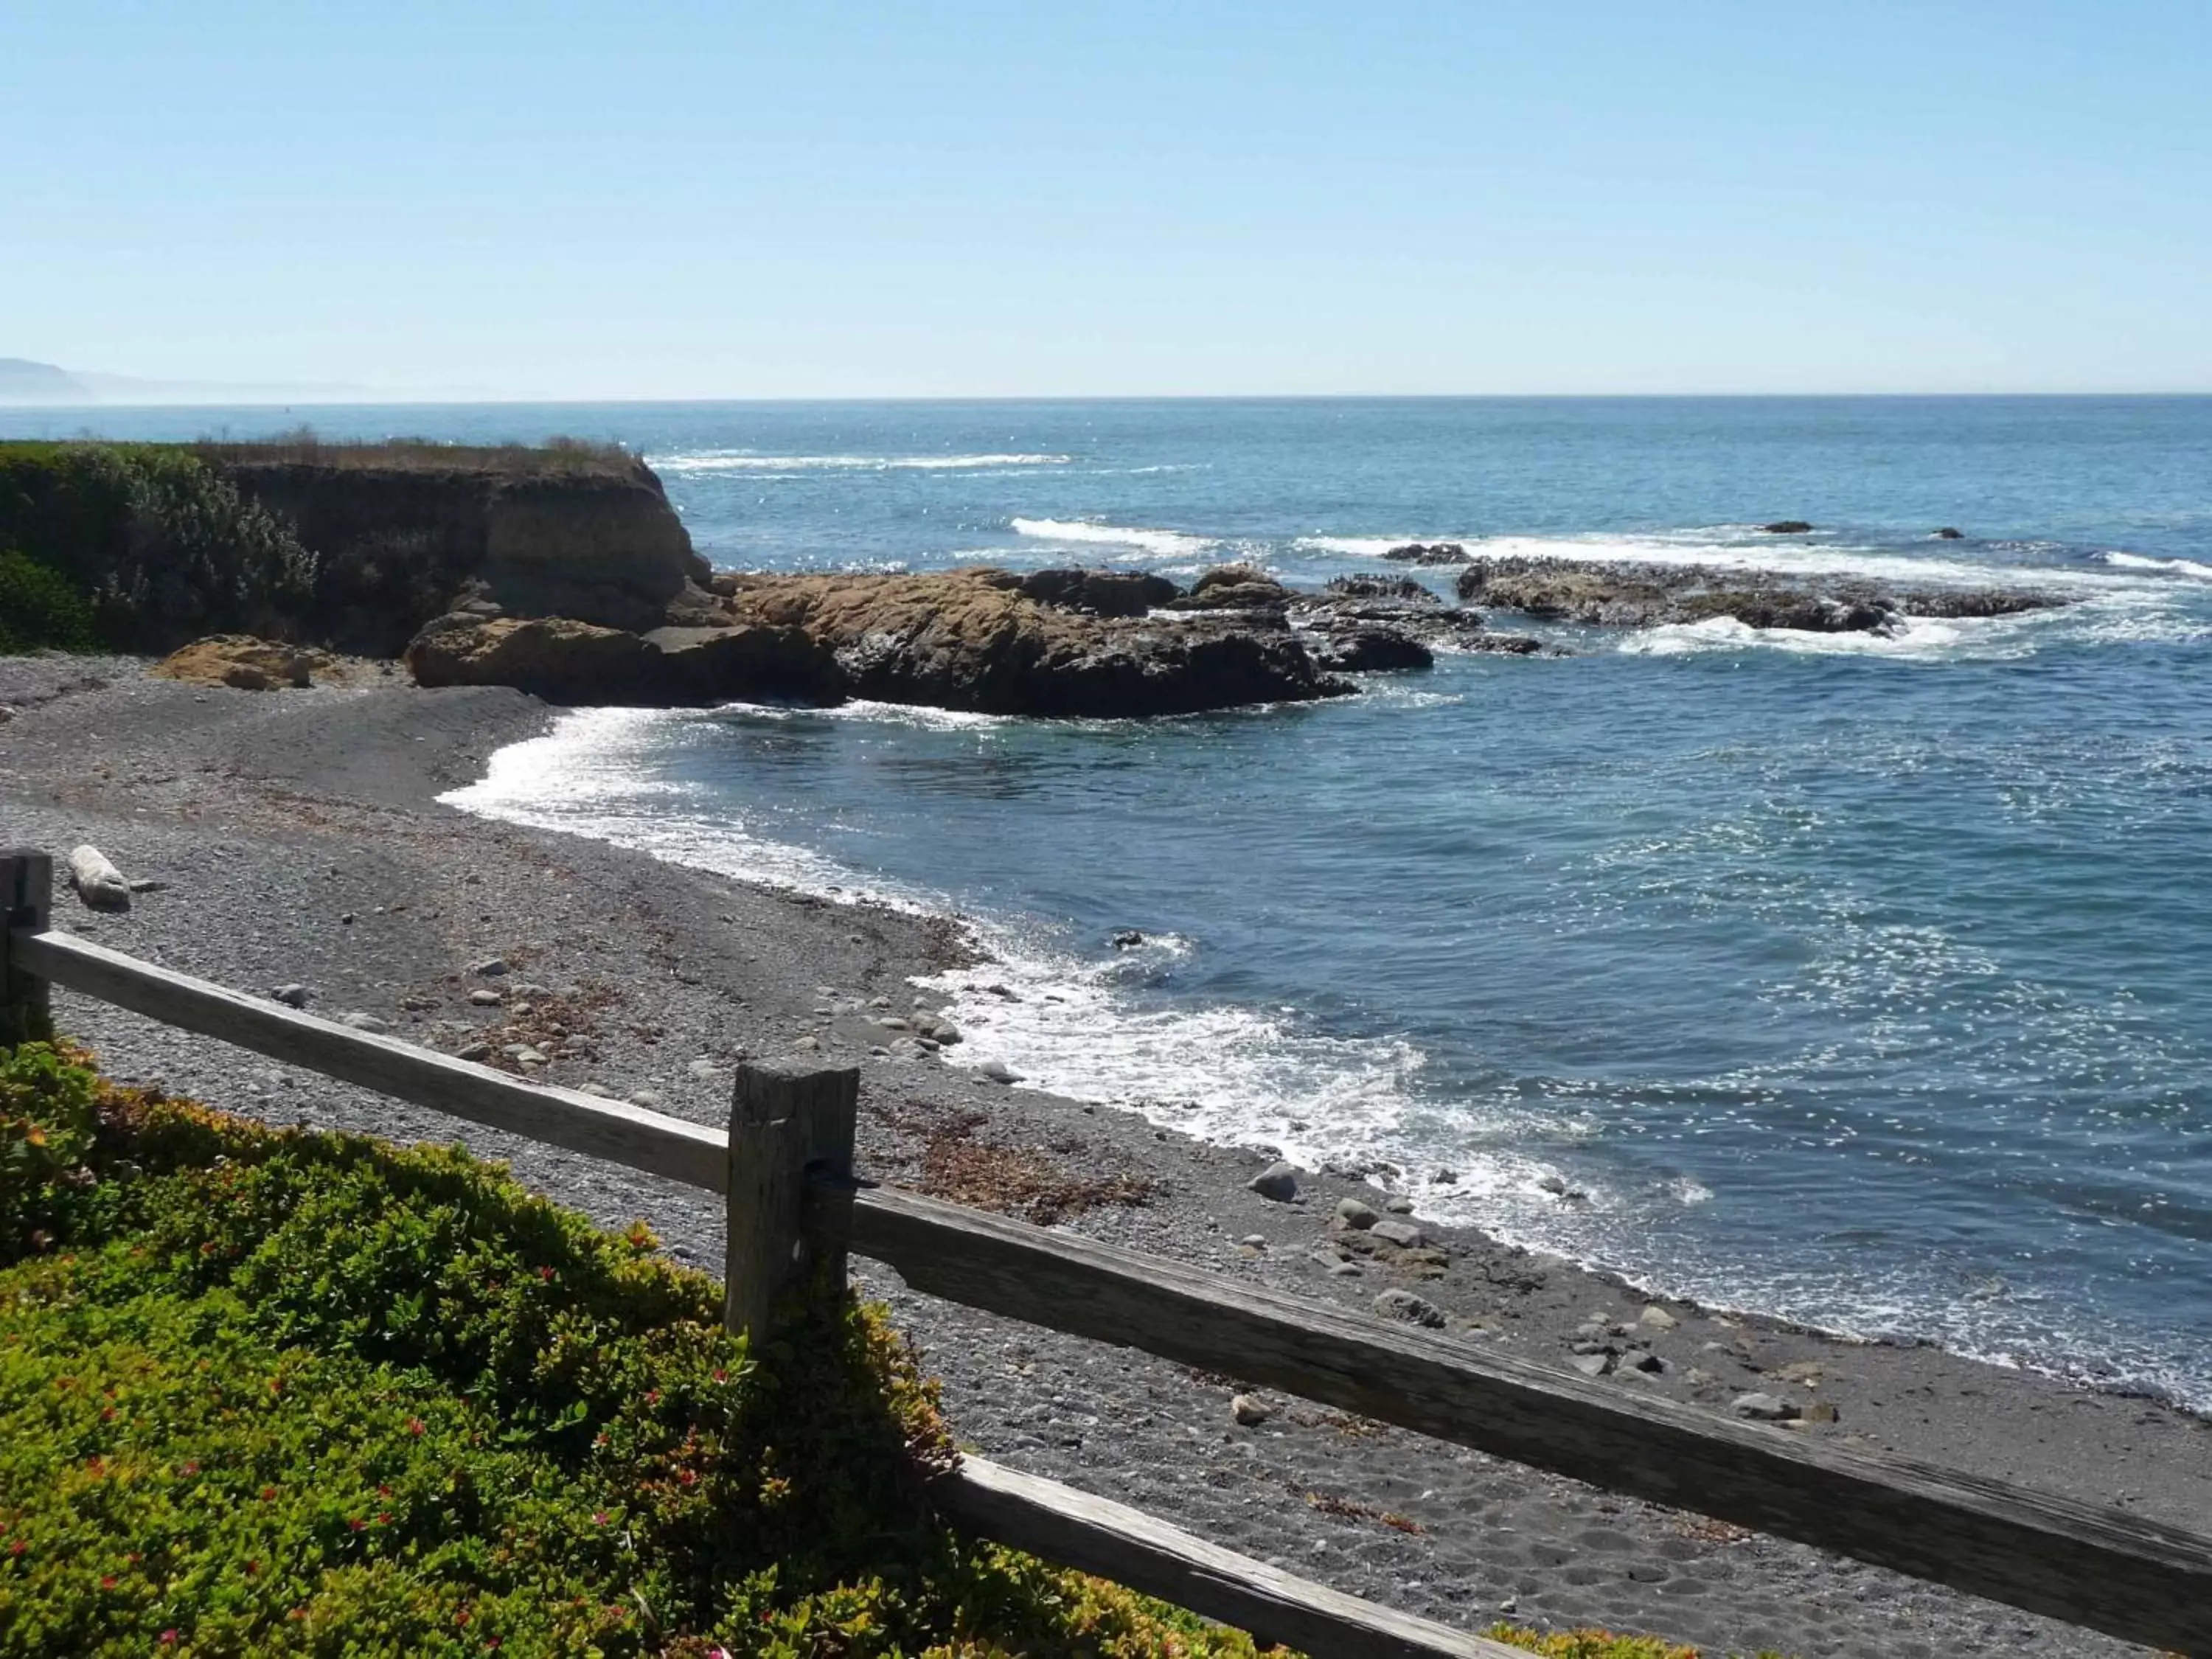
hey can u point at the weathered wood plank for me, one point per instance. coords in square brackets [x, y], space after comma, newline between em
[1095, 1535]
[614, 1130]
[27, 902]
[2098, 1568]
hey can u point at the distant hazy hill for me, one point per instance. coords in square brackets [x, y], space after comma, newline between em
[22, 381]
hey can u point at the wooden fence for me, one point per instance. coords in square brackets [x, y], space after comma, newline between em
[795, 1205]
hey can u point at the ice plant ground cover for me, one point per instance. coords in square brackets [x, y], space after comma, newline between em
[268, 1391]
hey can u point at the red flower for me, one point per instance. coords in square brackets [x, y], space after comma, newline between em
[188, 1468]
[653, 1397]
[545, 1273]
[415, 1426]
[721, 1375]
[108, 1580]
[599, 1519]
[18, 1547]
[383, 1491]
[354, 1525]
[252, 1568]
[384, 1518]
[168, 1638]
[267, 1494]
[687, 1477]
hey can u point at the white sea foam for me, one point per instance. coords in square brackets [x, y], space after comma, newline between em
[1775, 556]
[719, 461]
[1166, 543]
[2189, 567]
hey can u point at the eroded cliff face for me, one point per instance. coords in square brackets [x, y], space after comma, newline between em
[399, 545]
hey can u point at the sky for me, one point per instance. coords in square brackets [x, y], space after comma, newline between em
[665, 199]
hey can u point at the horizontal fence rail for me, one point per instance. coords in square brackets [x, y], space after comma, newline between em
[2091, 1566]
[1095, 1535]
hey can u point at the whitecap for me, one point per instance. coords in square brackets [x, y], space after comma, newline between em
[1166, 543]
[740, 461]
[2189, 567]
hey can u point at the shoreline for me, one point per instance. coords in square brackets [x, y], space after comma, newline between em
[272, 816]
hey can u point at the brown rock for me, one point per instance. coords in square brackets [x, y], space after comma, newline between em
[241, 662]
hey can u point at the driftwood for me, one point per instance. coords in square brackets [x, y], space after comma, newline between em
[97, 882]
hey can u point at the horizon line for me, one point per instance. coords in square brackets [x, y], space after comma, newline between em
[523, 400]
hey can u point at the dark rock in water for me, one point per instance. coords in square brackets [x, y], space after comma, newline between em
[1786, 527]
[1428, 553]
[1233, 587]
[1100, 592]
[1127, 939]
[1404, 588]
[958, 640]
[1367, 648]
[746, 662]
[1950, 533]
[1632, 595]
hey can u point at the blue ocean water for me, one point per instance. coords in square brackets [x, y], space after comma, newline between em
[1860, 980]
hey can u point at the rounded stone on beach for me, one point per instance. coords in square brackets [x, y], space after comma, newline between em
[1353, 1213]
[1399, 1204]
[1413, 1310]
[1279, 1181]
[485, 999]
[1250, 1410]
[1657, 1319]
[292, 996]
[1763, 1407]
[490, 967]
[999, 1072]
[1404, 1234]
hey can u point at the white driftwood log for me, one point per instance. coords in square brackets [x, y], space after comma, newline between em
[97, 882]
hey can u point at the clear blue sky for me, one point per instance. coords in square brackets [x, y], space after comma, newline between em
[665, 199]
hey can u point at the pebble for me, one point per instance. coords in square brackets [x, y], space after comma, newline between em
[1823, 1411]
[1353, 1214]
[486, 999]
[292, 996]
[647, 1097]
[1347, 1270]
[1399, 1204]
[478, 1051]
[1404, 1234]
[808, 1043]
[1250, 1410]
[1278, 1180]
[1657, 1319]
[705, 1070]
[1412, 1308]
[359, 1022]
[999, 1072]
[1763, 1407]
[1254, 1241]
[1592, 1364]
[490, 967]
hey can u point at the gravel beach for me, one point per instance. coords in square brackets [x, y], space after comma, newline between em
[295, 840]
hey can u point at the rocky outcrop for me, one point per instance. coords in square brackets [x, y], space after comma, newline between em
[567, 661]
[242, 662]
[970, 639]
[1787, 527]
[1058, 642]
[1428, 553]
[397, 543]
[1630, 595]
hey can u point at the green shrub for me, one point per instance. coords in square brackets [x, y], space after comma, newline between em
[155, 545]
[40, 609]
[266, 1391]
[263, 1391]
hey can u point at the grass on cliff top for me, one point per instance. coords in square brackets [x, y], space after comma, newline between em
[265, 1392]
[556, 457]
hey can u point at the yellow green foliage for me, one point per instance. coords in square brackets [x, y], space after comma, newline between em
[267, 1392]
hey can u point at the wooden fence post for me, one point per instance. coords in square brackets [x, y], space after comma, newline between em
[785, 1120]
[27, 899]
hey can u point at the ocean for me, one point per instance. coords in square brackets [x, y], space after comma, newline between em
[1865, 980]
